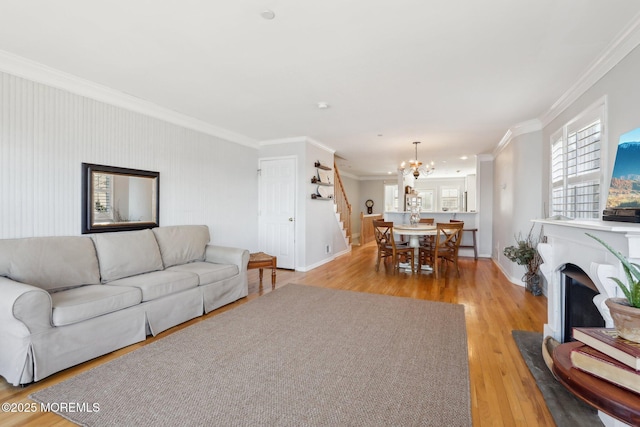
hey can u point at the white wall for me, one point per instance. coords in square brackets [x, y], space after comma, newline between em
[322, 227]
[485, 184]
[316, 225]
[372, 189]
[517, 196]
[46, 133]
[352, 188]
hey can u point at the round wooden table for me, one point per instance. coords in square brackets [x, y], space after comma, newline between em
[615, 401]
[415, 231]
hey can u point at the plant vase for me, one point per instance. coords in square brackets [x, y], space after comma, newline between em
[626, 319]
[532, 281]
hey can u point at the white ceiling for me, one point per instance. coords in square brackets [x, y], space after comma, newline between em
[453, 74]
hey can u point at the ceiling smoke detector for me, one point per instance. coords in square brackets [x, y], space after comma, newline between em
[268, 14]
[323, 105]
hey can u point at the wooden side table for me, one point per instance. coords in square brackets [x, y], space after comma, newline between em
[261, 260]
[619, 403]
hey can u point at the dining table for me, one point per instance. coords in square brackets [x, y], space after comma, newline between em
[414, 232]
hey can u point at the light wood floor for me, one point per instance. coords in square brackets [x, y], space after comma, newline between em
[503, 392]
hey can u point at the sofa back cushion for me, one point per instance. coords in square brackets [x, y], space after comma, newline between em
[181, 244]
[127, 253]
[50, 263]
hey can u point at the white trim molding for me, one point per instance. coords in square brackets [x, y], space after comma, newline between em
[34, 71]
[529, 126]
[297, 139]
[626, 40]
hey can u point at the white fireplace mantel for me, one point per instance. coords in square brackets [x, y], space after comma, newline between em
[568, 243]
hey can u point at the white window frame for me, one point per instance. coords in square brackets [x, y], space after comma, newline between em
[446, 188]
[598, 111]
[391, 197]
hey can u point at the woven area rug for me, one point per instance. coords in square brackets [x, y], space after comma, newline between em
[298, 356]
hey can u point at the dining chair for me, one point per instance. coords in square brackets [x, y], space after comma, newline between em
[444, 248]
[427, 240]
[473, 232]
[387, 246]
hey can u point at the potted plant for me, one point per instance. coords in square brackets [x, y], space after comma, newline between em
[625, 312]
[525, 253]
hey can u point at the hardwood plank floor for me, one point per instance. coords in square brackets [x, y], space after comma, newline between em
[503, 391]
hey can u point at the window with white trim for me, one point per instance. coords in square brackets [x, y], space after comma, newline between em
[576, 173]
[450, 198]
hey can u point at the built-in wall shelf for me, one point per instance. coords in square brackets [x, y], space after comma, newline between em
[315, 181]
[323, 180]
[321, 166]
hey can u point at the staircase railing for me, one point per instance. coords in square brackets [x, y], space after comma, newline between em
[342, 202]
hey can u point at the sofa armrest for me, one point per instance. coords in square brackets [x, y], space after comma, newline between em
[227, 255]
[24, 309]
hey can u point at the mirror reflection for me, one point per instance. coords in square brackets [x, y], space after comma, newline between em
[119, 199]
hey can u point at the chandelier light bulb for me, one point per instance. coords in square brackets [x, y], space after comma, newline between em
[415, 167]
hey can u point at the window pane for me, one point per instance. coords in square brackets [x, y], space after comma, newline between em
[575, 170]
[557, 168]
[557, 201]
[449, 199]
[102, 207]
[583, 200]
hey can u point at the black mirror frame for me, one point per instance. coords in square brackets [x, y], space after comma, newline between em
[87, 191]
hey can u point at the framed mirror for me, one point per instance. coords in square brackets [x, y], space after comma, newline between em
[118, 199]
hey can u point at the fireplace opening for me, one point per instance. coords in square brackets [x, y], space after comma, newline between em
[579, 309]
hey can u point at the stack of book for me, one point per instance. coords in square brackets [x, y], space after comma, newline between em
[607, 356]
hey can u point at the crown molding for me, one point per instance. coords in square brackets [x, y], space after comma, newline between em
[321, 145]
[297, 139]
[40, 73]
[529, 126]
[626, 40]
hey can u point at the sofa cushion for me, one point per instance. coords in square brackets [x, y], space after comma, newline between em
[127, 253]
[208, 272]
[159, 283]
[50, 262]
[87, 302]
[182, 244]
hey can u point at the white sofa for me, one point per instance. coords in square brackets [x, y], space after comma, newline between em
[65, 300]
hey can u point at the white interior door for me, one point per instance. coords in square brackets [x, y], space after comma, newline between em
[277, 209]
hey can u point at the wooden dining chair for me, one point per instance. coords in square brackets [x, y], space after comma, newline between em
[427, 240]
[444, 248]
[387, 246]
[473, 232]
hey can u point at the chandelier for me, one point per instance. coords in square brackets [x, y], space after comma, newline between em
[415, 167]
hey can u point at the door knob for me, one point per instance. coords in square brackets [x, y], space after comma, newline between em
[291, 219]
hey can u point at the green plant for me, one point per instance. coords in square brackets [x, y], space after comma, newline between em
[525, 252]
[632, 289]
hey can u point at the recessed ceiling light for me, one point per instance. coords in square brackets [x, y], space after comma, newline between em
[323, 105]
[463, 158]
[268, 14]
